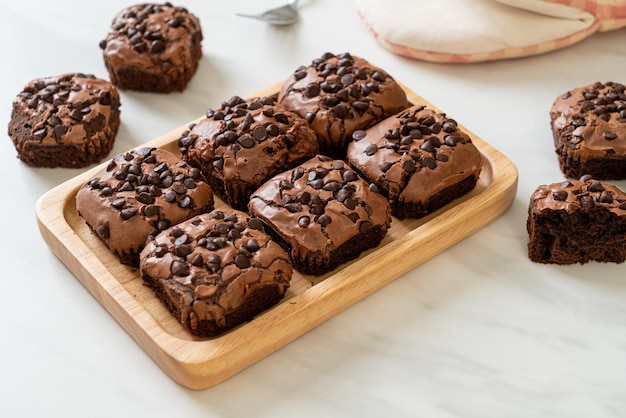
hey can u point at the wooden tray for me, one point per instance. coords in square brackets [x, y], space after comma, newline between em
[200, 363]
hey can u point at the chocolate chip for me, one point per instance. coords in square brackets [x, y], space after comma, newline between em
[385, 166]
[246, 141]
[145, 198]
[449, 126]
[332, 186]
[160, 251]
[408, 166]
[451, 140]
[596, 186]
[350, 203]
[259, 133]
[170, 196]
[242, 261]
[119, 203]
[304, 221]
[252, 245]
[427, 146]
[179, 188]
[59, 131]
[40, 133]
[183, 250]
[151, 210]
[586, 202]
[349, 175]
[196, 260]
[103, 231]
[311, 91]
[606, 197]
[429, 162]
[293, 207]
[371, 149]
[163, 224]
[365, 226]
[340, 111]
[560, 195]
[609, 136]
[179, 268]
[324, 220]
[255, 223]
[358, 135]
[234, 234]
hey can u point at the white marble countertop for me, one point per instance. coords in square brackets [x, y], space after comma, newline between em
[477, 331]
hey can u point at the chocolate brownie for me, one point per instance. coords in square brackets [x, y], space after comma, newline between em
[138, 194]
[338, 94]
[244, 143]
[419, 158]
[576, 222]
[589, 129]
[69, 120]
[216, 271]
[322, 213]
[153, 47]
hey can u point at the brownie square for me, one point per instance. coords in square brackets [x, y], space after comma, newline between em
[420, 160]
[137, 195]
[322, 213]
[153, 47]
[589, 130]
[69, 121]
[339, 94]
[245, 142]
[216, 271]
[576, 222]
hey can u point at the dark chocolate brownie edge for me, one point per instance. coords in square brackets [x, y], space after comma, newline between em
[403, 210]
[317, 263]
[256, 302]
[556, 237]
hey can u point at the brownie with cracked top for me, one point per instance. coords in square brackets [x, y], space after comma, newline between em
[577, 221]
[245, 142]
[589, 129]
[139, 194]
[153, 47]
[419, 158]
[339, 94]
[69, 120]
[216, 271]
[322, 213]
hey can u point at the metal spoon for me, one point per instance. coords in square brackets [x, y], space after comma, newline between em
[284, 15]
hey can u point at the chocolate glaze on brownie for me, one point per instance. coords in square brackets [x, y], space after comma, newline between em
[589, 129]
[139, 194]
[322, 213]
[245, 142]
[576, 222]
[153, 47]
[420, 159]
[216, 271]
[69, 120]
[338, 94]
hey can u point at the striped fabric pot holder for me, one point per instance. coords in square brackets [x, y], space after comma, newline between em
[466, 31]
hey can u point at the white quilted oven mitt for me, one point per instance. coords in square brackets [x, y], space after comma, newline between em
[463, 31]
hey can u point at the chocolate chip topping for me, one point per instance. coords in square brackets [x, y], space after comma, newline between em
[589, 128]
[419, 142]
[74, 110]
[148, 190]
[414, 155]
[340, 94]
[140, 26]
[247, 141]
[323, 195]
[584, 194]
